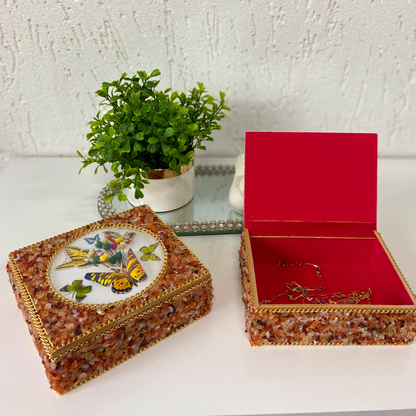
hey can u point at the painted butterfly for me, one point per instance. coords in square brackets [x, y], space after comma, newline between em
[148, 253]
[122, 281]
[77, 289]
[127, 237]
[77, 258]
[92, 240]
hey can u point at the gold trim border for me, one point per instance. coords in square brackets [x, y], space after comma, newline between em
[138, 352]
[125, 319]
[331, 344]
[31, 308]
[103, 306]
[101, 330]
[302, 308]
[151, 343]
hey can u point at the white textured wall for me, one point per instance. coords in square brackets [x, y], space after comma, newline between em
[294, 65]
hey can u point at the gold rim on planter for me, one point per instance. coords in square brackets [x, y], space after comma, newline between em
[169, 173]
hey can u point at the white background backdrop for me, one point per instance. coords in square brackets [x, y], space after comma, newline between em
[295, 65]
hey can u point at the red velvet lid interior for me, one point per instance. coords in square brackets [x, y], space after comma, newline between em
[310, 177]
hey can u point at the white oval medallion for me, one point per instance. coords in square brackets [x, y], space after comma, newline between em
[107, 265]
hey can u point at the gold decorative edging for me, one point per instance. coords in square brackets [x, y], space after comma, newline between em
[30, 306]
[28, 302]
[98, 332]
[140, 350]
[317, 308]
[331, 344]
[127, 318]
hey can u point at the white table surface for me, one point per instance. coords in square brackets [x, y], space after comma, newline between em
[208, 368]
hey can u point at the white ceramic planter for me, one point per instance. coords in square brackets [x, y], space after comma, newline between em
[166, 194]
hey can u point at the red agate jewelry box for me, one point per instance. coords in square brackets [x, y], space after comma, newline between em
[98, 295]
[315, 270]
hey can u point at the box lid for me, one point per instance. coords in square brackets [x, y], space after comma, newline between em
[315, 178]
[76, 288]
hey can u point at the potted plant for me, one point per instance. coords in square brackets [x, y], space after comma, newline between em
[148, 136]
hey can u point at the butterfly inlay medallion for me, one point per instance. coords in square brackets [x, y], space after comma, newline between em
[107, 265]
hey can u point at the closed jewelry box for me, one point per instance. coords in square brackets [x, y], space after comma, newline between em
[98, 295]
[315, 270]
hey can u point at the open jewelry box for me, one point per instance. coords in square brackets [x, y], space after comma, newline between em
[315, 270]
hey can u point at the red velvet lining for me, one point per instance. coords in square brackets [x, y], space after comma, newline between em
[393, 290]
[311, 177]
[346, 265]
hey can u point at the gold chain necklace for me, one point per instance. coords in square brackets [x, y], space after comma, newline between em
[295, 291]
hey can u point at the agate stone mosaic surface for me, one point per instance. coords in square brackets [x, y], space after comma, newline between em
[155, 287]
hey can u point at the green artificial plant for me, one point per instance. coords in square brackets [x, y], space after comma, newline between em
[145, 129]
